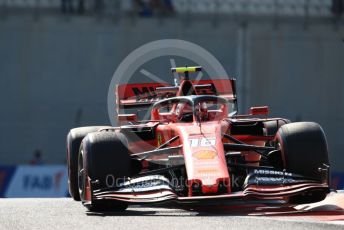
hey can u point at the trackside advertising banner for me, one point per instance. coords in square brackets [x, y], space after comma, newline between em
[6, 174]
[34, 181]
[337, 180]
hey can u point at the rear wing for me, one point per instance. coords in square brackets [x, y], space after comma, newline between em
[143, 95]
[220, 87]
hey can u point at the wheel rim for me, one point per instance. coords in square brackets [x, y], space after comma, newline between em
[81, 175]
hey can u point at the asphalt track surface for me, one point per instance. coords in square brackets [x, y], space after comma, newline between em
[64, 213]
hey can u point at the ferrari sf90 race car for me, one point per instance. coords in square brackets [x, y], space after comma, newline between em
[194, 148]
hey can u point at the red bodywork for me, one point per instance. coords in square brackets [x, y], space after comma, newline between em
[202, 147]
[205, 162]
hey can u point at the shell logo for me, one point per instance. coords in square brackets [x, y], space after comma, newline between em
[159, 139]
[205, 154]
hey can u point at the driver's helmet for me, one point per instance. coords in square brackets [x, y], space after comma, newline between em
[202, 111]
[182, 109]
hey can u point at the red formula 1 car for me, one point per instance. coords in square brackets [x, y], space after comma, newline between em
[195, 149]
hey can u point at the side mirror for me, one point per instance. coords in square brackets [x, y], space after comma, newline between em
[126, 117]
[261, 110]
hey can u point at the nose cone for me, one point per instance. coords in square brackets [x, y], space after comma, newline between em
[209, 169]
[205, 160]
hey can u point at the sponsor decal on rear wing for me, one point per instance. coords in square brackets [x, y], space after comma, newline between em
[146, 94]
[139, 95]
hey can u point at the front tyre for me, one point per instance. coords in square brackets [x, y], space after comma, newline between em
[103, 154]
[304, 151]
[74, 139]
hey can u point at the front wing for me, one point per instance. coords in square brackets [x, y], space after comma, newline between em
[263, 186]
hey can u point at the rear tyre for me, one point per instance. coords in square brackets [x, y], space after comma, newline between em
[304, 150]
[271, 127]
[104, 158]
[74, 139]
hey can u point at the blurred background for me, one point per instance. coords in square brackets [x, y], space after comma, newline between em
[57, 58]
